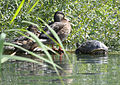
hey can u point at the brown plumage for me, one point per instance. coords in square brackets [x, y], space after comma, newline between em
[24, 41]
[60, 25]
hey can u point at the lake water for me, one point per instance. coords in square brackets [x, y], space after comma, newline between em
[83, 70]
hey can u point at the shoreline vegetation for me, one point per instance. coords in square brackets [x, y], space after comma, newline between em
[90, 20]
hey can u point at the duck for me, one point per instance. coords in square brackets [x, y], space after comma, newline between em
[24, 41]
[61, 26]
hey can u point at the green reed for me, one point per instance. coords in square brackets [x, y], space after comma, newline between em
[98, 20]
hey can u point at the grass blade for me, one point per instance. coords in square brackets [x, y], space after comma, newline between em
[54, 33]
[41, 30]
[56, 36]
[10, 30]
[46, 52]
[41, 45]
[2, 38]
[18, 10]
[6, 57]
[33, 6]
[33, 54]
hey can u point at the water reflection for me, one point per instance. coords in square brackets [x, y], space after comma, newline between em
[65, 73]
[92, 58]
[97, 70]
[84, 70]
[25, 73]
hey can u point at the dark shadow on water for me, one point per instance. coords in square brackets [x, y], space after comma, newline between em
[92, 58]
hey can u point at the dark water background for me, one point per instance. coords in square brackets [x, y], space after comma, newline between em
[83, 70]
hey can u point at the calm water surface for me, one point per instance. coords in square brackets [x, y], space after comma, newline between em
[83, 70]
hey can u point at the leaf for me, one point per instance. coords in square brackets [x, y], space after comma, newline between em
[18, 10]
[56, 36]
[45, 50]
[33, 6]
[2, 38]
[6, 57]
[33, 54]
[99, 13]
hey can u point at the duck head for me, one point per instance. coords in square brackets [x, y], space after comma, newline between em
[32, 28]
[59, 16]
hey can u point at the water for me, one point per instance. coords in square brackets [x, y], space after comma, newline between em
[83, 70]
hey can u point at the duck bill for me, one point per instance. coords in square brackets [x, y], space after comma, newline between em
[67, 19]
